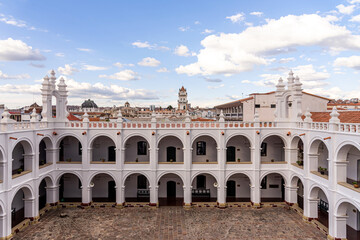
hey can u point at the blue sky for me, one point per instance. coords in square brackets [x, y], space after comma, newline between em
[144, 51]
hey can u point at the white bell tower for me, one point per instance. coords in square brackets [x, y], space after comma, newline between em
[182, 101]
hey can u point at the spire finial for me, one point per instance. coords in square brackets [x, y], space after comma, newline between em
[334, 115]
[308, 116]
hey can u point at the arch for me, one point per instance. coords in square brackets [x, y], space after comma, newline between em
[69, 172]
[2, 209]
[90, 178]
[318, 156]
[137, 149]
[162, 136]
[136, 172]
[348, 152]
[170, 149]
[273, 172]
[204, 148]
[343, 148]
[28, 145]
[75, 193]
[103, 134]
[340, 206]
[293, 180]
[48, 179]
[136, 189]
[319, 209]
[245, 135]
[202, 173]
[170, 189]
[21, 209]
[28, 192]
[107, 190]
[314, 144]
[44, 144]
[204, 135]
[68, 134]
[168, 172]
[295, 140]
[272, 189]
[314, 191]
[102, 148]
[135, 135]
[238, 187]
[273, 149]
[238, 148]
[282, 136]
[73, 151]
[48, 141]
[239, 172]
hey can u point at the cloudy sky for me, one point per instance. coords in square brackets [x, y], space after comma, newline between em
[144, 51]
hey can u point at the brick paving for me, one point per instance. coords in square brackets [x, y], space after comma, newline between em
[171, 223]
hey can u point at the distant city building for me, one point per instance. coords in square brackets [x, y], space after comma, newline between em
[89, 106]
[183, 101]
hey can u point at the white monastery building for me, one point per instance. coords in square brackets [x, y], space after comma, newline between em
[56, 162]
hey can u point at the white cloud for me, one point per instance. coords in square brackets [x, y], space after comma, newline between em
[236, 18]
[67, 70]
[10, 20]
[84, 49]
[351, 62]
[147, 45]
[60, 54]
[82, 90]
[184, 29]
[355, 18]
[309, 77]
[208, 31]
[257, 13]
[233, 53]
[286, 60]
[149, 62]
[216, 87]
[346, 9]
[125, 75]
[121, 65]
[163, 70]
[19, 76]
[212, 79]
[93, 68]
[196, 22]
[354, 1]
[182, 50]
[332, 18]
[37, 65]
[17, 50]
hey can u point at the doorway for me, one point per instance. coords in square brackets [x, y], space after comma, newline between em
[230, 189]
[171, 189]
[171, 154]
[112, 191]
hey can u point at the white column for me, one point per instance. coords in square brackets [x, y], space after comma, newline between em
[30, 209]
[52, 195]
[255, 185]
[120, 195]
[86, 195]
[311, 209]
[3, 232]
[291, 194]
[339, 227]
[154, 195]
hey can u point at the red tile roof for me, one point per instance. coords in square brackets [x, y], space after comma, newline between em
[345, 116]
[202, 120]
[73, 118]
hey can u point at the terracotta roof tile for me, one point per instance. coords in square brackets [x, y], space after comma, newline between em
[345, 116]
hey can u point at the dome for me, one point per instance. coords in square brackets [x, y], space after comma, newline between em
[89, 104]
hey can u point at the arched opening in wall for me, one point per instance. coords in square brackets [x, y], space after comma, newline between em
[350, 229]
[44, 153]
[2, 167]
[238, 188]
[272, 188]
[171, 150]
[70, 150]
[53, 107]
[103, 150]
[288, 106]
[349, 175]
[137, 150]
[22, 157]
[103, 188]
[204, 150]
[297, 152]
[42, 194]
[204, 188]
[171, 191]
[319, 205]
[238, 149]
[137, 188]
[70, 188]
[21, 206]
[318, 158]
[272, 150]
[296, 182]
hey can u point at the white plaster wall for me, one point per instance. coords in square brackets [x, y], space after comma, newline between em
[242, 146]
[170, 142]
[323, 156]
[100, 148]
[272, 192]
[18, 202]
[352, 167]
[275, 149]
[71, 149]
[163, 186]
[315, 104]
[210, 180]
[101, 188]
[248, 110]
[242, 191]
[131, 186]
[211, 151]
[131, 150]
[71, 186]
[17, 154]
[352, 214]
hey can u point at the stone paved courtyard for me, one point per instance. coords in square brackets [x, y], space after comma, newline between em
[171, 223]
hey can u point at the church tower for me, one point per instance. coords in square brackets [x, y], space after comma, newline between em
[183, 102]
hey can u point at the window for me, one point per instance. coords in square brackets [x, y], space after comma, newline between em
[141, 148]
[79, 149]
[263, 149]
[230, 154]
[264, 182]
[273, 105]
[200, 181]
[257, 105]
[201, 148]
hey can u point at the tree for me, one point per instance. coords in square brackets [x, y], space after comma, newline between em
[169, 108]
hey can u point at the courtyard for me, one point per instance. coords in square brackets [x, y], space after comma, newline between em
[171, 223]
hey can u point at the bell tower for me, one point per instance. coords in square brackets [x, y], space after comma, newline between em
[182, 101]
